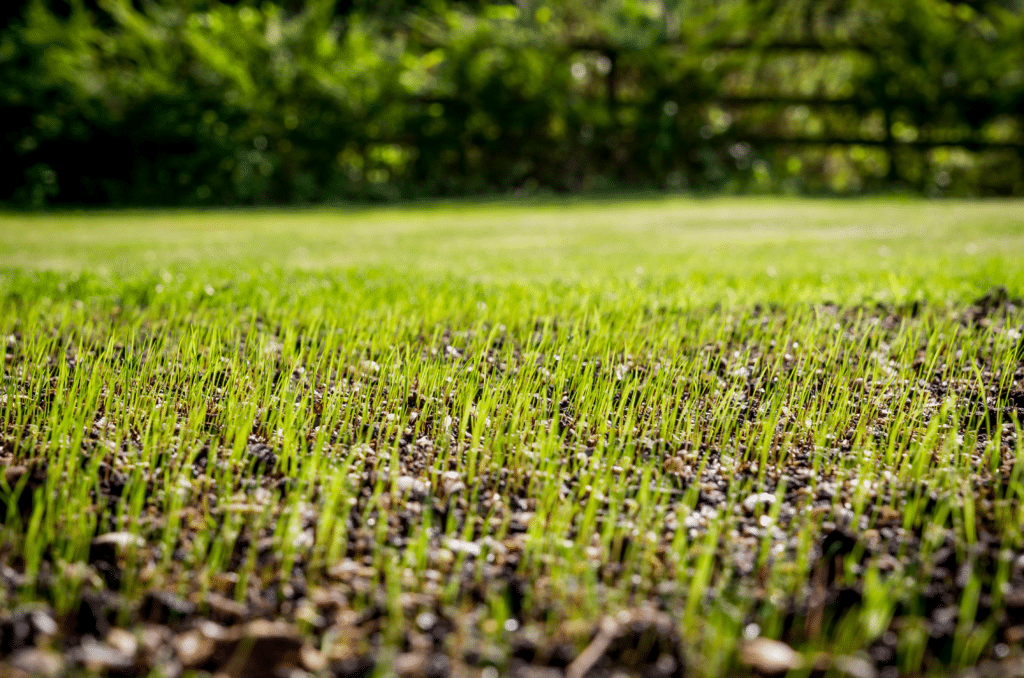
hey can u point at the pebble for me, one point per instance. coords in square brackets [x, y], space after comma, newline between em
[426, 620]
[1015, 598]
[262, 629]
[217, 633]
[855, 667]
[1014, 634]
[409, 664]
[12, 474]
[224, 607]
[123, 641]
[101, 656]
[312, 659]
[193, 648]
[119, 540]
[459, 546]
[751, 502]
[452, 484]
[770, 656]
[44, 623]
[410, 485]
[37, 662]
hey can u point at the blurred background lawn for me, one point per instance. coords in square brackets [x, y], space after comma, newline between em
[699, 252]
[208, 102]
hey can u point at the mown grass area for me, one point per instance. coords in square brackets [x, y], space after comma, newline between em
[573, 439]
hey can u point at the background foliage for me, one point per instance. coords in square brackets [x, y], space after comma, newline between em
[206, 102]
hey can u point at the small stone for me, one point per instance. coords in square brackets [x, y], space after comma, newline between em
[1014, 600]
[1014, 634]
[37, 662]
[751, 502]
[855, 667]
[451, 483]
[261, 629]
[674, 465]
[44, 623]
[770, 656]
[343, 570]
[218, 633]
[312, 659]
[408, 664]
[10, 577]
[119, 540]
[193, 649]
[460, 546]
[123, 641]
[154, 638]
[666, 665]
[264, 457]
[12, 474]
[442, 556]
[97, 655]
[426, 620]
[225, 609]
[411, 486]
[888, 515]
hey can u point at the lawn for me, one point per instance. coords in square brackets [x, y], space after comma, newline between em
[654, 437]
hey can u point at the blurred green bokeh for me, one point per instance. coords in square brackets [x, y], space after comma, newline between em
[192, 102]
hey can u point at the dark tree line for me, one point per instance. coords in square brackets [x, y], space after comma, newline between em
[210, 102]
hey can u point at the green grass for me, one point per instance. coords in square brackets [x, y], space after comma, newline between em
[730, 415]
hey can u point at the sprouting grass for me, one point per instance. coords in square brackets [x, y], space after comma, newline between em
[498, 437]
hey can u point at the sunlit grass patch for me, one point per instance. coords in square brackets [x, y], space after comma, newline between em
[642, 436]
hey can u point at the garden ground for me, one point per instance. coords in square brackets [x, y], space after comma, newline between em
[652, 438]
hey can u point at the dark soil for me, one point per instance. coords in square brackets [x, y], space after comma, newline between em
[338, 618]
